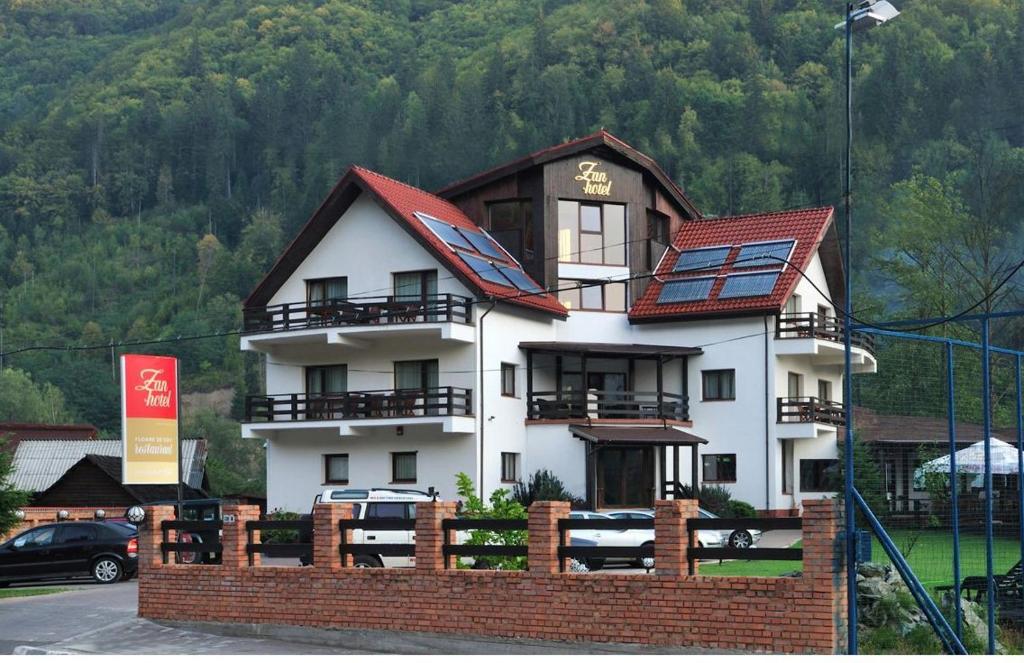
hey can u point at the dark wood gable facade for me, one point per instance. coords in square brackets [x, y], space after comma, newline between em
[518, 203]
[95, 481]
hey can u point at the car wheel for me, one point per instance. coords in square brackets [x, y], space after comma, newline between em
[740, 539]
[595, 564]
[646, 559]
[107, 571]
[4, 584]
[481, 564]
[578, 565]
[367, 562]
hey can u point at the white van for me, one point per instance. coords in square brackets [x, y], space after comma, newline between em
[380, 503]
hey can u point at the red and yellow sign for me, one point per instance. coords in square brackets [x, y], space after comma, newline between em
[149, 419]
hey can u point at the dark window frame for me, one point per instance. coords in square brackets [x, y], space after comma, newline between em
[517, 459]
[328, 481]
[524, 216]
[600, 286]
[394, 466]
[508, 369]
[720, 372]
[820, 473]
[717, 457]
[657, 241]
[323, 380]
[578, 254]
[311, 282]
[425, 282]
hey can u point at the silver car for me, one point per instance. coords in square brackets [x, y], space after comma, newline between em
[706, 538]
[737, 538]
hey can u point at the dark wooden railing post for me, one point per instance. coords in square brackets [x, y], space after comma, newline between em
[451, 400]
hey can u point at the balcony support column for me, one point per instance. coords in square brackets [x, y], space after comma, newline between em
[529, 384]
[661, 387]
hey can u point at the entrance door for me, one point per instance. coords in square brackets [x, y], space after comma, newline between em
[625, 477]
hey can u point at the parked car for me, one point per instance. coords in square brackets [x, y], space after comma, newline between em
[108, 552]
[737, 538]
[380, 503]
[705, 538]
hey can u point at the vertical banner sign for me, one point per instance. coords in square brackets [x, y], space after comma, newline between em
[149, 419]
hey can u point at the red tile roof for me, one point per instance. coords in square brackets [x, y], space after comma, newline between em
[405, 200]
[807, 227]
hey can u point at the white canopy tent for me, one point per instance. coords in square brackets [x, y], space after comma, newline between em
[972, 460]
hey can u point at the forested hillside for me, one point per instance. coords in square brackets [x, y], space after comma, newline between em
[156, 154]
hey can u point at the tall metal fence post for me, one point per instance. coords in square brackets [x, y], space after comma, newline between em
[986, 405]
[1020, 459]
[954, 487]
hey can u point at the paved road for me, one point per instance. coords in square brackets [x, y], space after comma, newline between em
[93, 619]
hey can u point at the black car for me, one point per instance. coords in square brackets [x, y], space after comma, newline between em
[106, 551]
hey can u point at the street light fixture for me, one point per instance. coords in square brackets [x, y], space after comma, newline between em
[859, 17]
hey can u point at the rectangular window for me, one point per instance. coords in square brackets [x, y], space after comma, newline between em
[510, 467]
[322, 380]
[719, 385]
[794, 385]
[510, 222]
[418, 382]
[824, 390]
[415, 286]
[793, 305]
[720, 468]
[508, 379]
[591, 233]
[787, 467]
[819, 475]
[320, 290]
[403, 467]
[657, 237]
[592, 296]
[336, 468]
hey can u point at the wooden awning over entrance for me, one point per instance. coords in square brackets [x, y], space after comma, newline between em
[661, 437]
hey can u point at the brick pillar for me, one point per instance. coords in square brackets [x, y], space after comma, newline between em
[151, 536]
[327, 536]
[233, 539]
[543, 536]
[825, 560]
[671, 536]
[430, 534]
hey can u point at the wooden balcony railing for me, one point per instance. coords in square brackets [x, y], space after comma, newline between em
[391, 310]
[595, 404]
[813, 325]
[436, 402]
[808, 409]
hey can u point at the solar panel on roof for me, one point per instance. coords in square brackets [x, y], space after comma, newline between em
[757, 284]
[685, 290]
[698, 259]
[765, 254]
[519, 278]
[446, 231]
[485, 270]
[484, 244]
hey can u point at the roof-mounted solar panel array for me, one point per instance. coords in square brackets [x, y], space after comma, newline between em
[483, 255]
[694, 260]
[765, 254]
[686, 290]
[749, 284]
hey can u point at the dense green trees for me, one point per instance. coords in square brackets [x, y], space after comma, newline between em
[154, 155]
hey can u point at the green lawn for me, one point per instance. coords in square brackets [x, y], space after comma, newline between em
[29, 591]
[929, 552]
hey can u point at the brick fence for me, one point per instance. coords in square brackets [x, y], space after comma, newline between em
[666, 608]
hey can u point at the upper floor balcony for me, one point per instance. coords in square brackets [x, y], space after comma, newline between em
[807, 416]
[349, 411]
[356, 320]
[612, 382]
[821, 337]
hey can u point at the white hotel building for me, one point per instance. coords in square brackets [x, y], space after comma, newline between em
[510, 322]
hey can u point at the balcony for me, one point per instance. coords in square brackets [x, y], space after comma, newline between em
[822, 338]
[594, 404]
[345, 321]
[807, 416]
[451, 407]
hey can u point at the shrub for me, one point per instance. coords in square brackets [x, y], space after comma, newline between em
[713, 498]
[500, 505]
[740, 509]
[544, 486]
[280, 535]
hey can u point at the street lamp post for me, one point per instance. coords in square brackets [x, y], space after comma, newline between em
[863, 16]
